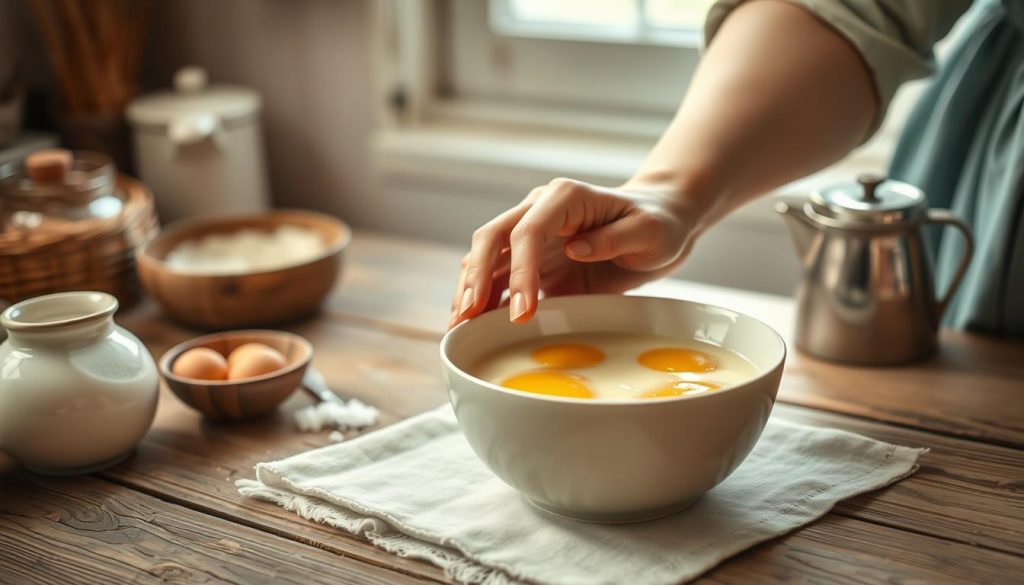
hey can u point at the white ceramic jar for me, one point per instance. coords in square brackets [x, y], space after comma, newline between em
[77, 392]
[199, 148]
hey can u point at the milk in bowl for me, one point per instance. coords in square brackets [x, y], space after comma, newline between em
[608, 365]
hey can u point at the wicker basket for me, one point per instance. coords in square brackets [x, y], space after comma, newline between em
[94, 254]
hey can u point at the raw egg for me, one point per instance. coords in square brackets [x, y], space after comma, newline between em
[567, 355]
[201, 363]
[256, 361]
[677, 359]
[607, 365]
[680, 388]
[551, 383]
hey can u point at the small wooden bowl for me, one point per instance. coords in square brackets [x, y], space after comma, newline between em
[240, 399]
[251, 299]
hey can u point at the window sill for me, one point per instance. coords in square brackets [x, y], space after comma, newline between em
[500, 163]
[501, 157]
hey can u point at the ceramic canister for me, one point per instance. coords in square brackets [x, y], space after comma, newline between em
[77, 392]
[199, 148]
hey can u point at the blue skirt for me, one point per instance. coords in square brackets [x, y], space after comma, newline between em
[964, 145]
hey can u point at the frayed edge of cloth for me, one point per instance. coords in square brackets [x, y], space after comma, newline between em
[379, 533]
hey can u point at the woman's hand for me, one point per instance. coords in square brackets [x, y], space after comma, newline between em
[570, 237]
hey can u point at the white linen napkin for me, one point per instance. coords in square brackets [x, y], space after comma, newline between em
[416, 489]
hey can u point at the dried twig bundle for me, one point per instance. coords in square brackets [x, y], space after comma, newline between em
[96, 48]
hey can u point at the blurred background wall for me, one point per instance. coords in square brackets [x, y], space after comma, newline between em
[310, 60]
[333, 143]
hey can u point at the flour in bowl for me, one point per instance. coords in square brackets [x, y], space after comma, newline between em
[246, 251]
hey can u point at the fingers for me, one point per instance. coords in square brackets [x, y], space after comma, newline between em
[454, 320]
[498, 287]
[488, 243]
[499, 284]
[558, 209]
[476, 279]
[637, 233]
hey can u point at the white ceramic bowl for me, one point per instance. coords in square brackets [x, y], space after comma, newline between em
[613, 461]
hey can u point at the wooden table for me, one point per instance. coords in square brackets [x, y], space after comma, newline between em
[172, 513]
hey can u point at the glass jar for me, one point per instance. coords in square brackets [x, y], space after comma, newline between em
[87, 191]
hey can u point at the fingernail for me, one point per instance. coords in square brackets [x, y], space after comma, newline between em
[467, 301]
[579, 248]
[518, 306]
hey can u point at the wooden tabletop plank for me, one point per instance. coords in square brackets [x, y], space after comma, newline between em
[397, 282]
[812, 552]
[843, 551]
[190, 486]
[786, 560]
[834, 550]
[974, 387]
[965, 491]
[950, 496]
[194, 461]
[83, 530]
[377, 340]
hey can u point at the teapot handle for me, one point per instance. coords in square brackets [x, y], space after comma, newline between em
[946, 217]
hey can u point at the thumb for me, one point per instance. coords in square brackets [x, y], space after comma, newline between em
[635, 234]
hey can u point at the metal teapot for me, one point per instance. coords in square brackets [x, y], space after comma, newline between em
[868, 290]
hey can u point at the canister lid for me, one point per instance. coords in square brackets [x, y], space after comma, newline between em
[193, 97]
[872, 199]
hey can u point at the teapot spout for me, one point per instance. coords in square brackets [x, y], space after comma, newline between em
[801, 228]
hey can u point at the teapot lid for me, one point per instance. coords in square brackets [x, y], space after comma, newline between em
[873, 200]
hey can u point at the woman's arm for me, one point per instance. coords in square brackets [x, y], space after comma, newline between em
[777, 95]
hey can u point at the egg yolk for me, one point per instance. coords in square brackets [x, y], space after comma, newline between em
[680, 388]
[677, 359]
[550, 383]
[567, 355]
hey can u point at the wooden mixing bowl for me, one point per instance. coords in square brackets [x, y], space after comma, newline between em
[251, 299]
[240, 399]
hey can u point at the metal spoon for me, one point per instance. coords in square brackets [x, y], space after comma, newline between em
[314, 382]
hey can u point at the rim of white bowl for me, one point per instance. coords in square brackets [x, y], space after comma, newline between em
[597, 402]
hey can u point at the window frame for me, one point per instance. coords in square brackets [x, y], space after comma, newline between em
[416, 84]
[503, 21]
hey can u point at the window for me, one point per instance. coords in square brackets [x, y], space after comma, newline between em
[668, 22]
[614, 66]
[629, 57]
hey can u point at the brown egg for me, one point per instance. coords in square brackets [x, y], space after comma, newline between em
[256, 362]
[236, 354]
[201, 363]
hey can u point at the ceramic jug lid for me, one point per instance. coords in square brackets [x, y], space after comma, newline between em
[192, 96]
[872, 199]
